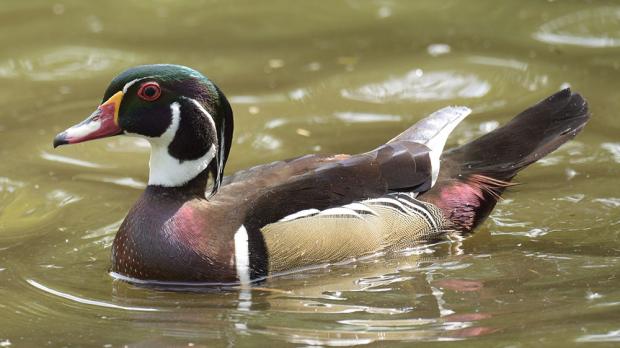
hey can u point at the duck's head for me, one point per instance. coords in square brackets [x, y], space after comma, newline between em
[184, 116]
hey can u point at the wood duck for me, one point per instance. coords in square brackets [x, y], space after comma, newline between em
[306, 211]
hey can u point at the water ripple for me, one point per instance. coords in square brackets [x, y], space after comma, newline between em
[85, 300]
[359, 117]
[611, 202]
[587, 28]
[500, 62]
[420, 86]
[28, 208]
[9, 185]
[120, 181]
[69, 160]
[487, 79]
[614, 150]
[69, 62]
[611, 336]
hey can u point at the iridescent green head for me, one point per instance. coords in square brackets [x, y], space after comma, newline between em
[184, 115]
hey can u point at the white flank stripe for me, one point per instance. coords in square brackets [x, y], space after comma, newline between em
[339, 211]
[423, 210]
[360, 207]
[299, 214]
[407, 207]
[242, 255]
[166, 170]
[411, 194]
[387, 200]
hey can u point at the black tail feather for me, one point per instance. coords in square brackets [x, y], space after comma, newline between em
[528, 137]
[473, 176]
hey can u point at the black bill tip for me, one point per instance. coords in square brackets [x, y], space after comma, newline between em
[61, 139]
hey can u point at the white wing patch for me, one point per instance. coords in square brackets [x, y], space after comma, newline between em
[438, 140]
[433, 131]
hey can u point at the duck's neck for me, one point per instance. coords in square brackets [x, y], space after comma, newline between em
[195, 188]
[168, 171]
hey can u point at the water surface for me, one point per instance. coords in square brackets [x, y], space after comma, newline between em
[307, 77]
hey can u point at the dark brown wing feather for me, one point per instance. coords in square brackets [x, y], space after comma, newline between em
[276, 190]
[265, 194]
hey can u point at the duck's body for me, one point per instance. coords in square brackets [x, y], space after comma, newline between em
[276, 217]
[306, 211]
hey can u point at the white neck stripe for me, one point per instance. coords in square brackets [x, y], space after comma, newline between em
[242, 255]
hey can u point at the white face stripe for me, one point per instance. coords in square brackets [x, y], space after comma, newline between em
[242, 255]
[131, 83]
[172, 129]
[165, 170]
[204, 111]
[220, 155]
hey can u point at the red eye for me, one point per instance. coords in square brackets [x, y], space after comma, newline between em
[149, 91]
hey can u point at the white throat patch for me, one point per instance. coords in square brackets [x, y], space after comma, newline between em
[166, 170]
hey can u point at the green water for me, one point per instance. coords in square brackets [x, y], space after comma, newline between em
[303, 77]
